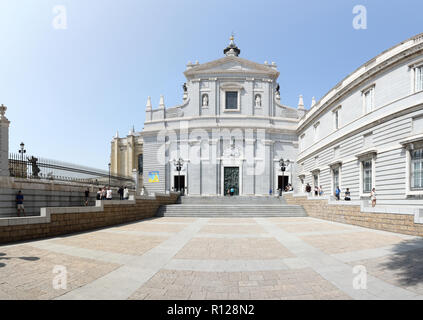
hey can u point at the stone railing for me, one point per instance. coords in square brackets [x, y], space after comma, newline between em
[59, 221]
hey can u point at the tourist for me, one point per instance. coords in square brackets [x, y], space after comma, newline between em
[232, 191]
[109, 194]
[348, 195]
[98, 197]
[338, 194]
[120, 192]
[321, 191]
[316, 191]
[19, 202]
[126, 193]
[373, 197]
[104, 194]
[87, 195]
[308, 188]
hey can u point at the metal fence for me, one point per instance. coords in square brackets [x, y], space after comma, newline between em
[30, 167]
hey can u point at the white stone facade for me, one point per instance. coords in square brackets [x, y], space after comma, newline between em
[366, 128]
[365, 133]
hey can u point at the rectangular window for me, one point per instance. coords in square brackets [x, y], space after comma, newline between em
[316, 180]
[417, 169]
[140, 164]
[335, 174]
[369, 100]
[336, 115]
[231, 100]
[316, 132]
[367, 176]
[418, 79]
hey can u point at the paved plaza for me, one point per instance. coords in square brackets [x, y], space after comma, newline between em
[189, 258]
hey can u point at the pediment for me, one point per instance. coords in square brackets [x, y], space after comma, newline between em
[232, 65]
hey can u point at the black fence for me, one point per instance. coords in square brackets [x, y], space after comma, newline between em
[30, 167]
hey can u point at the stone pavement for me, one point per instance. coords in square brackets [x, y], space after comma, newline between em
[219, 258]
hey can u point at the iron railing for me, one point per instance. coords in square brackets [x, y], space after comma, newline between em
[30, 167]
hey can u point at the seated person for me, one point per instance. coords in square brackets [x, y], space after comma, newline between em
[348, 195]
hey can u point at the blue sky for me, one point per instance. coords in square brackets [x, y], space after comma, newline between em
[68, 91]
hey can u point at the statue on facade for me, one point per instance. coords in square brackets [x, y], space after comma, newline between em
[35, 169]
[258, 100]
[205, 100]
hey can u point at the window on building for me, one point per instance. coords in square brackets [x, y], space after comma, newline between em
[369, 100]
[315, 180]
[418, 82]
[417, 169]
[336, 119]
[231, 100]
[367, 176]
[335, 178]
[140, 164]
[316, 131]
[301, 143]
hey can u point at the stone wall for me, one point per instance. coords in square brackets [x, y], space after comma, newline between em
[39, 194]
[59, 221]
[355, 215]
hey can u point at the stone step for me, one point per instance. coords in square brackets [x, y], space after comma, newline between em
[231, 200]
[206, 210]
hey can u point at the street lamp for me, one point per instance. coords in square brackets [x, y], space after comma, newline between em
[22, 152]
[178, 165]
[283, 164]
[109, 172]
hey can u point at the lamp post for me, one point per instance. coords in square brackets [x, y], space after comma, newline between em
[178, 165]
[109, 172]
[22, 151]
[283, 164]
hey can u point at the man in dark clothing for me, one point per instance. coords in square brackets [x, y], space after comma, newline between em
[87, 195]
[120, 191]
[19, 203]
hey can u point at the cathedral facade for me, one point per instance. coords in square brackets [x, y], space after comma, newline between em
[231, 132]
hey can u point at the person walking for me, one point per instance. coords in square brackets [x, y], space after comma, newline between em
[348, 195]
[338, 194]
[87, 196]
[316, 191]
[120, 191]
[109, 195]
[321, 191]
[373, 197]
[19, 203]
[126, 193]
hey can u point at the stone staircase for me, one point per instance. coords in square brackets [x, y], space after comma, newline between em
[242, 207]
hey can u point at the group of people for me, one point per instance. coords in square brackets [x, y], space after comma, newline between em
[107, 194]
[318, 192]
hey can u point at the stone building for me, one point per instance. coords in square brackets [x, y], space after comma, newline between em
[126, 156]
[231, 130]
[367, 132]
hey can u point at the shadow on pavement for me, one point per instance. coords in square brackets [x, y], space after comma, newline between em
[3, 256]
[407, 262]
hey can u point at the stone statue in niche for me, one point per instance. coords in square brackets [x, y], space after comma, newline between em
[205, 100]
[258, 100]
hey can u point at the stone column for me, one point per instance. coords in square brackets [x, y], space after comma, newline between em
[4, 142]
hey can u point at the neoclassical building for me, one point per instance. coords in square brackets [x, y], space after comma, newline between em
[367, 132]
[231, 130]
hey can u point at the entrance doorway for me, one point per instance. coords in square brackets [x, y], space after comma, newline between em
[179, 184]
[231, 181]
[282, 182]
